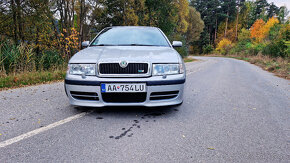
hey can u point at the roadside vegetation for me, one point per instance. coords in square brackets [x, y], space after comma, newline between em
[31, 78]
[254, 31]
[37, 38]
[189, 59]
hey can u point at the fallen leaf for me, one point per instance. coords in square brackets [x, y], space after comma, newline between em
[15, 80]
[254, 108]
[0, 134]
[12, 118]
[211, 148]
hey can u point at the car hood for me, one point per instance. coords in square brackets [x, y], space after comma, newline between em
[148, 54]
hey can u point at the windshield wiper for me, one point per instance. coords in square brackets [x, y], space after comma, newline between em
[104, 45]
[135, 45]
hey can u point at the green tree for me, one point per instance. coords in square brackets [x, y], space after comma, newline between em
[283, 12]
[195, 26]
[163, 14]
[120, 12]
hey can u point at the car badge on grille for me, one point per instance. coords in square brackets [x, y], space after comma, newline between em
[123, 64]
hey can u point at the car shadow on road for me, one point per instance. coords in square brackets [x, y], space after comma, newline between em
[131, 111]
[133, 118]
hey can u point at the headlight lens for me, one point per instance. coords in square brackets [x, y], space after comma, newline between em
[79, 69]
[166, 69]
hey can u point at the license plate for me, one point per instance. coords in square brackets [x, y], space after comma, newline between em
[123, 87]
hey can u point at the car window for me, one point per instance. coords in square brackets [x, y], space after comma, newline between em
[130, 37]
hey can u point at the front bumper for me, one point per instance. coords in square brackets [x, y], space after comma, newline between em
[154, 84]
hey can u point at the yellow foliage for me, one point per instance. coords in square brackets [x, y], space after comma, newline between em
[70, 41]
[224, 45]
[183, 11]
[270, 23]
[130, 17]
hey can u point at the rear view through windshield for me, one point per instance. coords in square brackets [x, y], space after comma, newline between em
[130, 37]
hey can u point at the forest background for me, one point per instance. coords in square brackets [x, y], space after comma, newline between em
[38, 37]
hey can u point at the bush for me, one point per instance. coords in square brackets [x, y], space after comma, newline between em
[276, 49]
[241, 47]
[207, 49]
[244, 35]
[254, 49]
[50, 59]
[224, 46]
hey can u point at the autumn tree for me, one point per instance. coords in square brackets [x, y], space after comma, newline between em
[270, 23]
[182, 13]
[257, 30]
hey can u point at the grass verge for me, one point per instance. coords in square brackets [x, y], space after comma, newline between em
[189, 59]
[279, 66]
[30, 78]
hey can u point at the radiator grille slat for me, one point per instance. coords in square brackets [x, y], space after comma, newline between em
[115, 68]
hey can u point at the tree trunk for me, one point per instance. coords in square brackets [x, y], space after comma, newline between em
[19, 20]
[72, 13]
[81, 21]
[60, 9]
[237, 21]
[65, 15]
[215, 31]
[227, 19]
[14, 22]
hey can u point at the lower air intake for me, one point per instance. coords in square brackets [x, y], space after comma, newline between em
[163, 95]
[84, 95]
[124, 97]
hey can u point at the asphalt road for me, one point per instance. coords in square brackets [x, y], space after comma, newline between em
[232, 112]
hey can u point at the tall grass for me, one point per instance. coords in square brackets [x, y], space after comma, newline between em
[22, 58]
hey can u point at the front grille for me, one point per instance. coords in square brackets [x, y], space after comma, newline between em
[85, 95]
[114, 68]
[124, 97]
[163, 95]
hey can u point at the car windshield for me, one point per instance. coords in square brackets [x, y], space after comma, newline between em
[120, 36]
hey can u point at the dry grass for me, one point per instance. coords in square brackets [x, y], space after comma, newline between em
[279, 66]
[30, 78]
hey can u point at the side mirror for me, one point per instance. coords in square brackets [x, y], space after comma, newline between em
[85, 44]
[177, 44]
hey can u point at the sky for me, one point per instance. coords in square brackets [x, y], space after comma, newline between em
[281, 3]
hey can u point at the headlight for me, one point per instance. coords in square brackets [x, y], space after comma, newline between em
[166, 69]
[79, 69]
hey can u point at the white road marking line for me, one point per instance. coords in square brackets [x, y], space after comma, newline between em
[40, 130]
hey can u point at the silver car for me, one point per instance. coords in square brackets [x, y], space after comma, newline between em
[126, 66]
